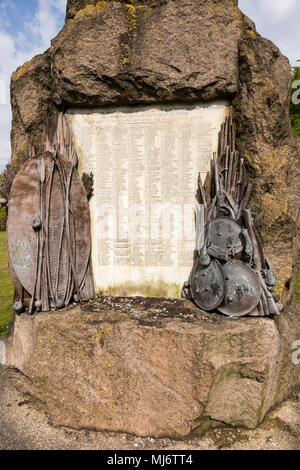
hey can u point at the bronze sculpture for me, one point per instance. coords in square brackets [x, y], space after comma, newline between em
[49, 236]
[48, 227]
[231, 271]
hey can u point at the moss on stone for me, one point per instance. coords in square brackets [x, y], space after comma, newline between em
[160, 289]
[20, 155]
[251, 32]
[91, 10]
[22, 70]
[226, 437]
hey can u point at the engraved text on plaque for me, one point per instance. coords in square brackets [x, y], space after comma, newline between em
[145, 162]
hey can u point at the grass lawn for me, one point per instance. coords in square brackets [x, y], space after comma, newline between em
[6, 288]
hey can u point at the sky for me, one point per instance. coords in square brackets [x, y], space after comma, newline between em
[27, 26]
[26, 29]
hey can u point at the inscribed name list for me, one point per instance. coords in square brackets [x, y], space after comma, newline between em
[145, 162]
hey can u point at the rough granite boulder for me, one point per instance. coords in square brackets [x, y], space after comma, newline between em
[170, 51]
[153, 367]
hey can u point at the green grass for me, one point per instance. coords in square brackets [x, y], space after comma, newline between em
[6, 288]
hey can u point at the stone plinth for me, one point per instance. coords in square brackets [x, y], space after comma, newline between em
[153, 367]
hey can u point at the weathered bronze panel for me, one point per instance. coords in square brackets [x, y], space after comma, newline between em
[207, 285]
[242, 289]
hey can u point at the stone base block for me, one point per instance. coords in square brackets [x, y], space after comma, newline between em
[154, 367]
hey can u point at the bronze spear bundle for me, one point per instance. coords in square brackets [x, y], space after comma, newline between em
[225, 195]
[49, 226]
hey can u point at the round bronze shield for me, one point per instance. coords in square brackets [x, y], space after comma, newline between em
[30, 201]
[23, 207]
[208, 285]
[224, 238]
[242, 289]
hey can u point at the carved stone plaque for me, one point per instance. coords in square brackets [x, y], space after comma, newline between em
[145, 162]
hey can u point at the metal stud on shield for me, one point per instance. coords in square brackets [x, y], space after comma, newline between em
[224, 238]
[208, 285]
[242, 289]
